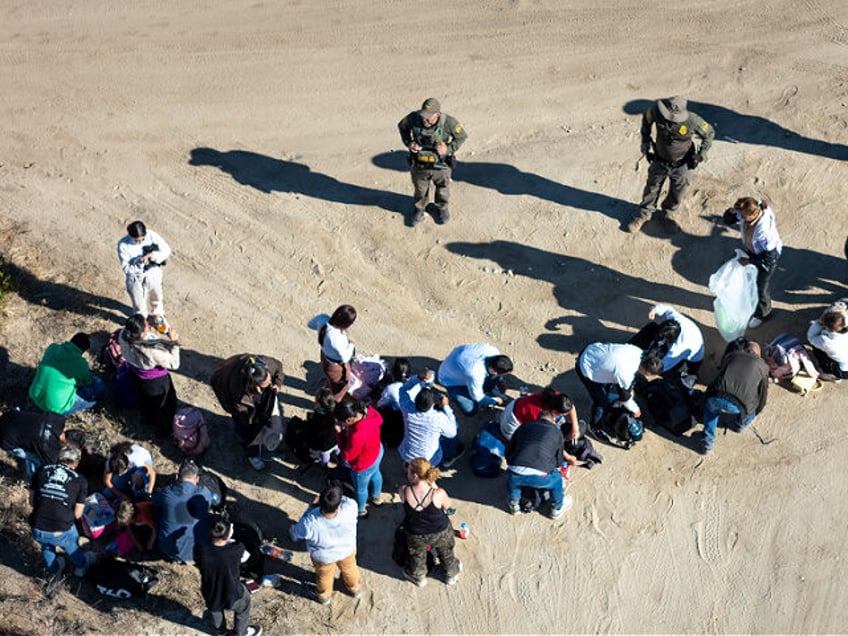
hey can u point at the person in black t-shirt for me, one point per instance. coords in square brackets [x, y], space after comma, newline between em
[33, 438]
[58, 496]
[220, 586]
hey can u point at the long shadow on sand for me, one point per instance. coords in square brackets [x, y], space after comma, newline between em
[803, 276]
[62, 297]
[735, 127]
[509, 180]
[583, 287]
[268, 174]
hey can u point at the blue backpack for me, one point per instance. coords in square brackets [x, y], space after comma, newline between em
[489, 450]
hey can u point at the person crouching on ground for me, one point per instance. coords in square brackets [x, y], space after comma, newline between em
[329, 528]
[829, 338]
[534, 455]
[426, 523]
[740, 390]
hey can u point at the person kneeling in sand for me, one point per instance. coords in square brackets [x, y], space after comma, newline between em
[534, 455]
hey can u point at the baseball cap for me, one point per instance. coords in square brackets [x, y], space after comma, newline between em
[430, 107]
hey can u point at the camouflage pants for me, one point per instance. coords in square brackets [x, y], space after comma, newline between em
[442, 544]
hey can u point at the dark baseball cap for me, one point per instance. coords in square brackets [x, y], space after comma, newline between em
[430, 107]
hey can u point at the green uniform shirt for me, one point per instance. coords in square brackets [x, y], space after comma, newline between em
[674, 140]
[447, 130]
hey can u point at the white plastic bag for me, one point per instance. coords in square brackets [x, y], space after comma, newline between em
[735, 287]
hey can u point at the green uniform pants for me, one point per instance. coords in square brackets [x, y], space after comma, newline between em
[658, 172]
[421, 178]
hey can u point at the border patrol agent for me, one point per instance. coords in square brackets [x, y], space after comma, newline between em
[432, 138]
[674, 155]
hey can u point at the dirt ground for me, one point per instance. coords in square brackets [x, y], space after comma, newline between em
[260, 140]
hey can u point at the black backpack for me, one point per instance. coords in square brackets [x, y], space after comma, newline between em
[121, 580]
[619, 427]
[250, 536]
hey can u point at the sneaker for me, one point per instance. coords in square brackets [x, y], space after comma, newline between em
[253, 630]
[442, 216]
[363, 514]
[418, 582]
[670, 225]
[567, 502]
[636, 223]
[451, 580]
[829, 377]
[416, 217]
[376, 501]
[256, 463]
[754, 322]
[513, 508]
[703, 449]
[322, 600]
[357, 594]
[450, 462]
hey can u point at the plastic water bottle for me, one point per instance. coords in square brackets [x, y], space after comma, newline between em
[276, 552]
[463, 531]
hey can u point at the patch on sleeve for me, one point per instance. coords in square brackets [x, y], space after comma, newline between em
[683, 129]
[705, 126]
[458, 129]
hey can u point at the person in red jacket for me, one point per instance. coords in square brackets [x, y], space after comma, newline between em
[358, 430]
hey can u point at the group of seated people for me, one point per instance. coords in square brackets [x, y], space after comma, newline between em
[351, 424]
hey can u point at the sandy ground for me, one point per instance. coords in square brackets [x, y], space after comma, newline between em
[259, 139]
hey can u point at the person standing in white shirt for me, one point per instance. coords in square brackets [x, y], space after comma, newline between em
[142, 253]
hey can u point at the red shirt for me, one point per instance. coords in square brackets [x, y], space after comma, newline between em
[528, 408]
[360, 443]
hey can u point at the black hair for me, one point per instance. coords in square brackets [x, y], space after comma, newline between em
[255, 370]
[137, 230]
[343, 317]
[134, 327]
[330, 499]
[349, 408]
[425, 399]
[118, 464]
[219, 527]
[553, 400]
[82, 341]
[669, 331]
[401, 369]
[652, 363]
[500, 364]
[325, 399]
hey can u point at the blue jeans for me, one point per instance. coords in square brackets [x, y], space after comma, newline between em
[713, 408]
[87, 396]
[552, 482]
[30, 460]
[67, 540]
[368, 481]
[464, 401]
